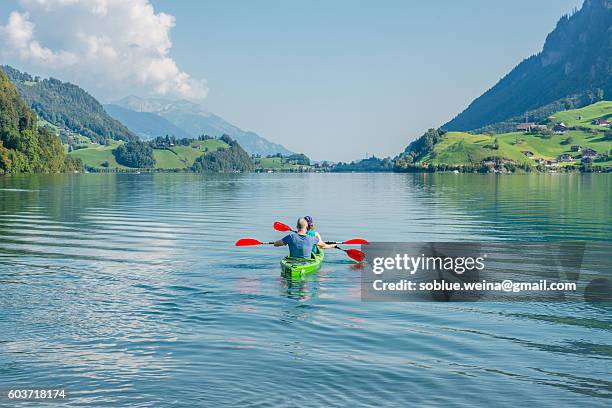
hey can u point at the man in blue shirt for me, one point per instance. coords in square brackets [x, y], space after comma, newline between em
[300, 243]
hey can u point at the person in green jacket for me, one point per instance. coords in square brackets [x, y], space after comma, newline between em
[312, 232]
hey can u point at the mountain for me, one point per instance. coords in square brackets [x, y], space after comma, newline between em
[195, 120]
[68, 107]
[147, 125]
[25, 147]
[573, 69]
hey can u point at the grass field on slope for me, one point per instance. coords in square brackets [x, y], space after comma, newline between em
[175, 157]
[276, 163]
[584, 116]
[166, 159]
[558, 143]
[459, 148]
[178, 157]
[95, 155]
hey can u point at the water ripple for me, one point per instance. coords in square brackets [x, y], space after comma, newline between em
[127, 290]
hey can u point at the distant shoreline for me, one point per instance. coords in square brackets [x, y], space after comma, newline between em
[182, 171]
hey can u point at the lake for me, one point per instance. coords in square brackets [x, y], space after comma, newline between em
[126, 289]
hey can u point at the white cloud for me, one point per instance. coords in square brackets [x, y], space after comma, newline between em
[114, 46]
[19, 35]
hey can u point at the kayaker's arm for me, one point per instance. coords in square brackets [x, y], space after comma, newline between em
[279, 243]
[324, 245]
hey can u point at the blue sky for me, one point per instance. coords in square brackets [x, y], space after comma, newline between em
[339, 79]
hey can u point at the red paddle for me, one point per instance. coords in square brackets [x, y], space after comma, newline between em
[251, 242]
[354, 254]
[354, 241]
[279, 226]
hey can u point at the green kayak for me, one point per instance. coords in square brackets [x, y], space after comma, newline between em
[298, 267]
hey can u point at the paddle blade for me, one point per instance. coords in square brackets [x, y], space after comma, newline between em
[355, 254]
[356, 241]
[248, 242]
[279, 226]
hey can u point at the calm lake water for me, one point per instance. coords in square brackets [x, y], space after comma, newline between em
[127, 290]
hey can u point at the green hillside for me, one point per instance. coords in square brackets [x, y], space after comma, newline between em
[97, 156]
[292, 163]
[275, 163]
[26, 147]
[527, 149]
[586, 115]
[67, 107]
[458, 148]
[101, 157]
[179, 157]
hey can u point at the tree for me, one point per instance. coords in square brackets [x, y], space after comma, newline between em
[135, 154]
[420, 147]
[568, 140]
[224, 160]
[372, 164]
[300, 159]
[226, 138]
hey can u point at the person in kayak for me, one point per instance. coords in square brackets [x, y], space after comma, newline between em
[312, 232]
[300, 243]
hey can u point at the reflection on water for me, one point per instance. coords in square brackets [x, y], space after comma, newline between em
[301, 289]
[126, 290]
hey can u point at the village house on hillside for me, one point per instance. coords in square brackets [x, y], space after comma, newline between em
[524, 127]
[589, 153]
[565, 158]
[530, 127]
[560, 128]
[528, 153]
[601, 122]
[576, 148]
